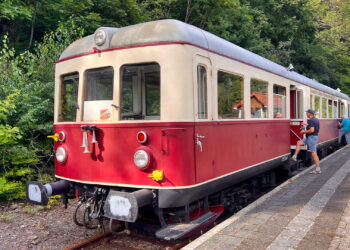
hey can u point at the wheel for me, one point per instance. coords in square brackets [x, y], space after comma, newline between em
[89, 222]
[79, 214]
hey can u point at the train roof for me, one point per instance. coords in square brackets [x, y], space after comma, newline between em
[165, 31]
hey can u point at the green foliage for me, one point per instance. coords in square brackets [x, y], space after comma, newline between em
[11, 190]
[26, 108]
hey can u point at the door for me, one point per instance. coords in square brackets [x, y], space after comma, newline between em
[296, 115]
[203, 132]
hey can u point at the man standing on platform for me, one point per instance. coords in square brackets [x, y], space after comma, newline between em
[312, 129]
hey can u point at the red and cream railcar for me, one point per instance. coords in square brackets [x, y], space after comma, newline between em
[165, 114]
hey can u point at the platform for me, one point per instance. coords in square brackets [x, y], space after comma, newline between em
[309, 211]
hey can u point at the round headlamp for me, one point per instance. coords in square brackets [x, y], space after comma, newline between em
[61, 155]
[100, 37]
[142, 159]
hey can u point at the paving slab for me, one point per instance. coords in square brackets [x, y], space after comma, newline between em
[309, 211]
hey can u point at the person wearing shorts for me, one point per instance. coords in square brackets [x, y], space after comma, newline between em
[312, 129]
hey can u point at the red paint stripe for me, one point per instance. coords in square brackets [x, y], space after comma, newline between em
[171, 124]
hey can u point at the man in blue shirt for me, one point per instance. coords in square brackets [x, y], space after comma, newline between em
[312, 129]
[345, 129]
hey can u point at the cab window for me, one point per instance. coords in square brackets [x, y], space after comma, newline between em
[98, 94]
[68, 98]
[140, 99]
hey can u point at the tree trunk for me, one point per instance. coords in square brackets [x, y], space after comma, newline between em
[33, 23]
[188, 11]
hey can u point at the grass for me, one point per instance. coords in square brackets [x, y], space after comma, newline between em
[29, 210]
[7, 218]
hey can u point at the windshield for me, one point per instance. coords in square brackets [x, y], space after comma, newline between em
[140, 92]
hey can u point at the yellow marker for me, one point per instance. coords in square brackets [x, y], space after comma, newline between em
[157, 175]
[54, 137]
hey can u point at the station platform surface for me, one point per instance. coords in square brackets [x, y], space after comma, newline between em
[309, 211]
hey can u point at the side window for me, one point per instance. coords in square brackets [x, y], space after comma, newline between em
[317, 106]
[311, 101]
[324, 108]
[98, 94]
[335, 109]
[202, 92]
[299, 106]
[230, 96]
[341, 105]
[140, 99]
[279, 101]
[348, 110]
[68, 98]
[258, 99]
[330, 109]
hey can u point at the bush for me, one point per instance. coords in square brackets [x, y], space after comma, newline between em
[26, 109]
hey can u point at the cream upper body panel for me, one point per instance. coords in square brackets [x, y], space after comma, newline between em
[175, 47]
[175, 71]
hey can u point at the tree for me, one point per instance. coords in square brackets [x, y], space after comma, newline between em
[26, 112]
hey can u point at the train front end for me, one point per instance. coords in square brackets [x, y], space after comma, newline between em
[120, 134]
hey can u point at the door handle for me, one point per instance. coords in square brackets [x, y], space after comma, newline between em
[198, 142]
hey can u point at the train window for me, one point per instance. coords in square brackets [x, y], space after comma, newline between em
[258, 99]
[311, 101]
[202, 92]
[335, 109]
[140, 98]
[98, 94]
[279, 101]
[69, 98]
[348, 110]
[317, 106]
[324, 108]
[330, 109]
[341, 107]
[230, 96]
[299, 104]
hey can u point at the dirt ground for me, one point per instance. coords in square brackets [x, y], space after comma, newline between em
[23, 226]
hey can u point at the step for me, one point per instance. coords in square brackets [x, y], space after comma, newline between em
[180, 230]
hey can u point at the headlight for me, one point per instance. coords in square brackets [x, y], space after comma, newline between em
[100, 37]
[142, 159]
[61, 155]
